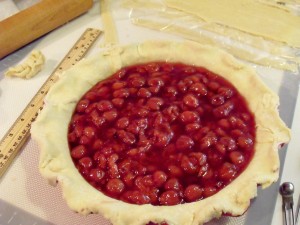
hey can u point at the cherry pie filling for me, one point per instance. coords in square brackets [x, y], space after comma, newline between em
[162, 134]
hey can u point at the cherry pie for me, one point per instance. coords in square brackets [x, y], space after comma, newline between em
[170, 132]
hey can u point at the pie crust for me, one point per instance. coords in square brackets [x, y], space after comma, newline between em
[51, 128]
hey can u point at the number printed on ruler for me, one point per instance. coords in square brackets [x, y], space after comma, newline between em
[19, 132]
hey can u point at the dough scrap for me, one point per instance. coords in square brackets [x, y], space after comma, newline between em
[29, 68]
[110, 31]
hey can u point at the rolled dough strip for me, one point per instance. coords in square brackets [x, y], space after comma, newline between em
[110, 31]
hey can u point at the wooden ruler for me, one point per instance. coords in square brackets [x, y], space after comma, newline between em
[19, 132]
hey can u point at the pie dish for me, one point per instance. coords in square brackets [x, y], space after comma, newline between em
[64, 159]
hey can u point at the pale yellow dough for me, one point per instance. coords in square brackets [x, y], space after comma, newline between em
[51, 127]
[247, 15]
[110, 31]
[29, 68]
[243, 45]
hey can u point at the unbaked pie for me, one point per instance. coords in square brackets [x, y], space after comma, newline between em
[171, 132]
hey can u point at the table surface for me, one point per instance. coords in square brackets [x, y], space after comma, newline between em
[23, 187]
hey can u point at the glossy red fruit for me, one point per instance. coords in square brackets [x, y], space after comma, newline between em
[199, 88]
[96, 175]
[82, 105]
[78, 152]
[122, 122]
[172, 184]
[161, 134]
[118, 85]
[159, 178]
[115, 186]
[209, 191]
[191, 101]
[189, 117]
[110, 115]
[86, 162]
[144, 93]
[193, 192]
[104, 105]
[170, 197]
[236, 157]
[136, 197]
[184, 143]
[155, 103]
[227, 171]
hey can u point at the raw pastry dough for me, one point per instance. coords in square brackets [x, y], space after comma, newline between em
[156, 15]
[170, 17]
[247, 15]
[50, 131]
[110, 31]
[29, 68]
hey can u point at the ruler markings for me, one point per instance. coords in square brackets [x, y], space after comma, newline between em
[19, 132]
